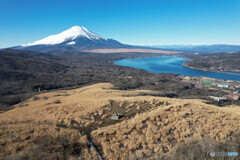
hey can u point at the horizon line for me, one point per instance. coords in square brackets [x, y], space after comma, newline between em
[185, 44]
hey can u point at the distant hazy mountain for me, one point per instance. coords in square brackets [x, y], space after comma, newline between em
[200, 48]
[75, 38]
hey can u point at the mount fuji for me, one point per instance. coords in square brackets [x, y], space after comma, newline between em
[76, 38]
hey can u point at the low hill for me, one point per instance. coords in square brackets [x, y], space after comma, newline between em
[77, 124]
[215, 62]
[28, 62]
[22, 70]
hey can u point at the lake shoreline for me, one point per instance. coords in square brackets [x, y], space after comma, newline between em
[174, 65]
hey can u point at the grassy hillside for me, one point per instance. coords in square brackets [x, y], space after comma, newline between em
[61, 125]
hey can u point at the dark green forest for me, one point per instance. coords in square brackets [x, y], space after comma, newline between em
[22, 73]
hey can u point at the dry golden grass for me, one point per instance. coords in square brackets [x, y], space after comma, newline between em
[46, 114]
[196, 148]
[40, 141]
[157, 131]
[151, 128]
[58, 108]
[233, 109]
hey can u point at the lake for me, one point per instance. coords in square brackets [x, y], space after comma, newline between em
[172, 65]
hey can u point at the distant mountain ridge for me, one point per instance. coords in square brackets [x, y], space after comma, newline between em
[79, 38]
[74, 39]
[199, 48]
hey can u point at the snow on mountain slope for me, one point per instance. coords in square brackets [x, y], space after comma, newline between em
[71, 43]
[68, 35]
[74, 39]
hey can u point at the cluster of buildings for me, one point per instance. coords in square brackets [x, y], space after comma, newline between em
[231, 87]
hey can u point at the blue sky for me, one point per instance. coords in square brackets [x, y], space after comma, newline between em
[128, 21]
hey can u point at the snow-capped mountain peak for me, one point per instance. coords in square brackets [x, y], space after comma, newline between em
[68, 35]
[76, 38]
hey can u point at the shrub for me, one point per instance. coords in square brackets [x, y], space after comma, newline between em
[57, 101]
[35, 98]
[45, 97]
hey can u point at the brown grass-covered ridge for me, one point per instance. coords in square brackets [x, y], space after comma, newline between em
[61, 125]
